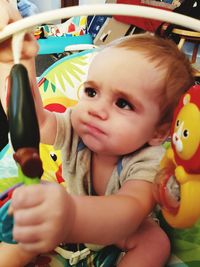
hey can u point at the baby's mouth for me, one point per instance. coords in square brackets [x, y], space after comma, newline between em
[93, 129]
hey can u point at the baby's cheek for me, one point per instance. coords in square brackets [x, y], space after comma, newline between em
[75, 119]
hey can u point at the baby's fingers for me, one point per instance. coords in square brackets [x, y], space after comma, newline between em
[31, 216]
[28, 234]
[9, 13]
[35, 238]
[27, 196]
[37, 247]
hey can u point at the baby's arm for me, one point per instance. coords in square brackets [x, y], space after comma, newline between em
[113, 218]
[29, 51]
[51, 216]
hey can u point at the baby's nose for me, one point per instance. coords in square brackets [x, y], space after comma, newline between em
[99, 110]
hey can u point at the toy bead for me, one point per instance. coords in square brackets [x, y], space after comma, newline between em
[165, 191]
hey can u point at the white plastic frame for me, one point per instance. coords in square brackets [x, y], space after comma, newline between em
[102, 9]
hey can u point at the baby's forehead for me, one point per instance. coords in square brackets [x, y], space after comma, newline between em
[120, 55]
[122, 78]
[133, 64]
[131, 54]
[123, 55]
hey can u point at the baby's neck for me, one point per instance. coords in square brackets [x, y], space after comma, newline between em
[105, 159]
[102, 169]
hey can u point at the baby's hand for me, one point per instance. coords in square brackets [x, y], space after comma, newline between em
[10, 14]
[43, 216]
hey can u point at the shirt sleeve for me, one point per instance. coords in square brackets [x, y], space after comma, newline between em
[143, 165]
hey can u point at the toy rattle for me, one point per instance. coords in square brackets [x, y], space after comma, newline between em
[177, 185]
[25, 139]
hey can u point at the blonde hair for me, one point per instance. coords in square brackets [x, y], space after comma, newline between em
[178, 73]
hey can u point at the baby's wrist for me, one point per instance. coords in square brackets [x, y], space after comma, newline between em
[69, 218]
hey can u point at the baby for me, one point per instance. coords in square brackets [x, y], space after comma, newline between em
[111, 144]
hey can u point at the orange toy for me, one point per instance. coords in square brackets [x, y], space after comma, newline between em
[181, 165]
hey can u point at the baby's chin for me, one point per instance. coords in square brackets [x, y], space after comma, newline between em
[101, 148]
[93, 144]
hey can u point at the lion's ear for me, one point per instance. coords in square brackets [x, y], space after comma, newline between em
[186, 99]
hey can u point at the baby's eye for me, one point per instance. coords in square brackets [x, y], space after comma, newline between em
[90, 92]
[123, 104]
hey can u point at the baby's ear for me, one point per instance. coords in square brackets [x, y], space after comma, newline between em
[160, 134]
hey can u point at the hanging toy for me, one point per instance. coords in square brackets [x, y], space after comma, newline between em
[23, 124]
[177, 185]
[25, 139]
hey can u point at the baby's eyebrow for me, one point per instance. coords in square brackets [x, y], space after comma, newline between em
[90, 84]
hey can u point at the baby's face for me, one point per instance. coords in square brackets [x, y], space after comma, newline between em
[119, 108]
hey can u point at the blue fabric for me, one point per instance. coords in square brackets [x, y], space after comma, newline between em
[119, 166]
[6, 224]
[26, 8]
[81, 145]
